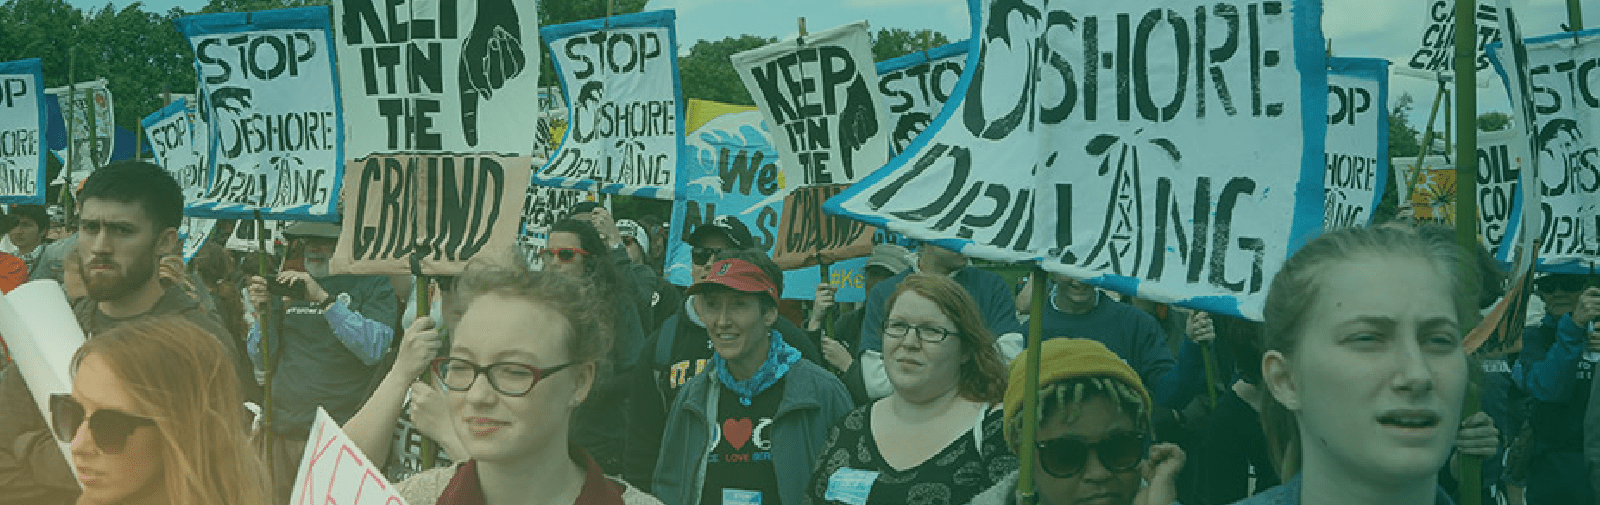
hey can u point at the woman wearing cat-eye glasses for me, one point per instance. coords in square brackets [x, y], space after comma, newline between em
[155, 417]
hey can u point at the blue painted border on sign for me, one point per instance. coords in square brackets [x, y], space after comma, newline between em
[1310, 62]
[665, 18]
[179, 106]
[1514, 221]
[35, 67]
[919, 57]
[1376, 69]
[297, 18]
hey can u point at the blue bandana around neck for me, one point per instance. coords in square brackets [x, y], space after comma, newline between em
[779, 358]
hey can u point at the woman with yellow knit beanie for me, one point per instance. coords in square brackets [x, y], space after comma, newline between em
[1093, 432]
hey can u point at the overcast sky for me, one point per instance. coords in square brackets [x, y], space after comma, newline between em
[1388, 29]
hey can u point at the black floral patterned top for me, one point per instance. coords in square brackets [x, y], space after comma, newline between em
[852, 472]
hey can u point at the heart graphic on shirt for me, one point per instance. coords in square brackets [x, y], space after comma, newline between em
[737, 432]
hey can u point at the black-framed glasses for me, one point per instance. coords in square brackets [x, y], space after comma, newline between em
[562, 254]
[703, 255]
[110, 428]
[929, 334]
[1066, 457]
[508, 378]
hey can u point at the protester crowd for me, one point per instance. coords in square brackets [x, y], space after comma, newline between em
[582, 376]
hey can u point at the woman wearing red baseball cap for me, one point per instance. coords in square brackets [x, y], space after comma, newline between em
[749, 429]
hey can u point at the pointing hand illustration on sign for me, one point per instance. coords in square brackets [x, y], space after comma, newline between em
[491, 55]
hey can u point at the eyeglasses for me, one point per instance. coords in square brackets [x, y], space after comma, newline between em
[1066, 457]
[929, 334]
[563, 254]
[1553, 283]
[510, 379]
[703, 255]
[109, 428]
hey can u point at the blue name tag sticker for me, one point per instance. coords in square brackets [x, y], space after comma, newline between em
[850, 486]
[740, 497]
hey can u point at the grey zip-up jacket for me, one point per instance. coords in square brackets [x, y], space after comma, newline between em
[813, 401]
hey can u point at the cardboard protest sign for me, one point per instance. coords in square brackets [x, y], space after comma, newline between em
[269, 95]
[1357, 156]
[730, 167]
[816, 92]
[1084, 137]
[41, 344]
[1546, 76]
[175, 146]
[807, 237]
[438, 75]
[334, 471]
[625, 126]
[22, 132]
[916, 86]
[445, 208]
[86, 110]
[1437, 50]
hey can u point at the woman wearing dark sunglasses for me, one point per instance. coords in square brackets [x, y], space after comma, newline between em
[523, 358]
[1092, 441]
[155, 417]
[939, 432]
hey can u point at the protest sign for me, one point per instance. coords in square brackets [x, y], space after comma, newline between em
[808, 237]
[438, 75]
[243, 238]
[916, 86]
[1501, 156]
[730, 168]
[268, 91]
[1084, 137]
[625, 130]
[1357, 156]
[176, 148]
[86, 110]
[22, 132]
[1549, 78]
[41, 344]
[445, 208]
[334, 471]
[552, 124]
[1437, 50]
[817, 92]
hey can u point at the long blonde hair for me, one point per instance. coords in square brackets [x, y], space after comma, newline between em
[183, 379]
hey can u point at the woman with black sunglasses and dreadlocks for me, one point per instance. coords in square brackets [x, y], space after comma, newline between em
[1092, 444]
[155, 417]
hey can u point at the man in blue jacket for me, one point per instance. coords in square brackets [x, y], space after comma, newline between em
[1557, 362]
[334, 329]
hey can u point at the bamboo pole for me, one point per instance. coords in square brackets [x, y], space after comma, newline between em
[1422, 154]
[1466, 201]
[1030, 399]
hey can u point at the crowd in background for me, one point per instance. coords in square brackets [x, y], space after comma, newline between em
[575, 373]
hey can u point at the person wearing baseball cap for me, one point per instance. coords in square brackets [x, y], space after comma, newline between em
[749, 429]
[722, 233]
[1093, 430]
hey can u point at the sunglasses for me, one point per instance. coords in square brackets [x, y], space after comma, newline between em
[508, 378]
[1066, 457]
[703, 255]
[110, 428]
[627, 240]
[1555, 283]
[563, 254]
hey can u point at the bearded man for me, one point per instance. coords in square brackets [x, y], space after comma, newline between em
[129, 215]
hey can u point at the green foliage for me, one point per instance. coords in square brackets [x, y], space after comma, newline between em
[1404, 141]
[568, 11]
[138, 52]
[214, 6]
[708, 74]
[1493, 121]
[893, 42]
